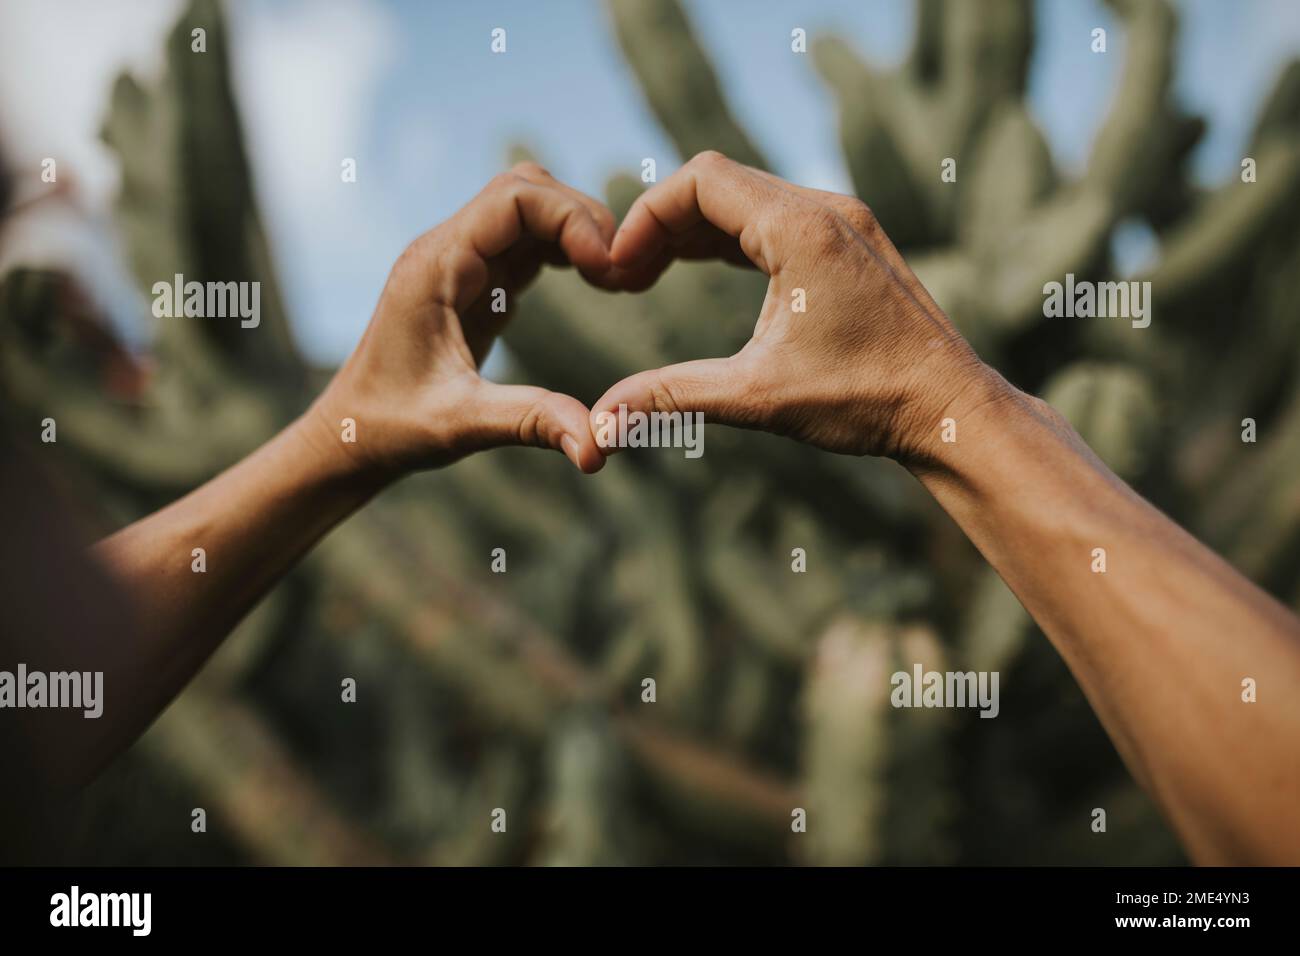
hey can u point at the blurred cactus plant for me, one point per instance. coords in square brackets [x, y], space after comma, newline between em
[524, 691]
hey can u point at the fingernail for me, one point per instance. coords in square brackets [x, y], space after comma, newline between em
[571, 450]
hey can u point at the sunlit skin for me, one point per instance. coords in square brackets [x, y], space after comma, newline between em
[1160, 642]
[413, 390]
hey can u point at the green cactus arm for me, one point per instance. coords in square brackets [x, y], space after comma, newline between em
[1255, 514]
[1225, 230]
[224, 751]
[621, 191]
[985, 62]
[187, 204]
[599, 344]
[738, 803]
[153, 445]
[588, 784]
[846, 746]
[677, 79]
[1122, 150]
[920, 801]
[1009, 173]
[887, 165]
[1280, 114]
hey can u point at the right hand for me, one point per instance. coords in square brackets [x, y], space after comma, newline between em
[869, 368]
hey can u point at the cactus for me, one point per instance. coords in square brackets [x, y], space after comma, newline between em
[524, 691]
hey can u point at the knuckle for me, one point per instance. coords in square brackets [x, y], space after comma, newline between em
[859, 216]
[664, 396]
[530, 168]
[709, 158]
[418, 258]
[824, 222]
[509, 181]
[758, 407]
[826, 231]
[769, 228]
[533, 425]
[413, 255]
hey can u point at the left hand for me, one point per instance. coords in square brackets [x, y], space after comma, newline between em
[412, 385]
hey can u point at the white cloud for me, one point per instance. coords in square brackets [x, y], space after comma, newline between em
[57, 65]
[307, 76]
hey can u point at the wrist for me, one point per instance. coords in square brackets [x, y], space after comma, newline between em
[950, 437]
[329, 440]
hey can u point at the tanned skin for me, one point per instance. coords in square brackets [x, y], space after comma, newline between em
[1160, 643]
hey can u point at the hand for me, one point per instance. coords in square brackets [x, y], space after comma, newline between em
[868, 369]
[412, 386]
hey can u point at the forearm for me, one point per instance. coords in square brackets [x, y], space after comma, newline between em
[187, 574]
[253, 523]
[1160, 641]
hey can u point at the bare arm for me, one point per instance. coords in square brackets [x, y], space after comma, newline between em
[1160, 642]
[410, 396]
[252, 523]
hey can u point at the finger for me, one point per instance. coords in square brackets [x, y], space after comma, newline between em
[526, 415]
[849, 208]
[512, 207]
[713, 387]
[821, 196]
[701, 243]
[861, 222]
[712, 190]
[600, 213]
[605, 279]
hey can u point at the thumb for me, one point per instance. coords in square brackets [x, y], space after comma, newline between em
[527, 415]
[713, 387]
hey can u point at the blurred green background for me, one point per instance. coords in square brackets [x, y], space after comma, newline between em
[523, 690]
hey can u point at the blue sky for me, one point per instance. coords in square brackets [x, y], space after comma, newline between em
[410, 89]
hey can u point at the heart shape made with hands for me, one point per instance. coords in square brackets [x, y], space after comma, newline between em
[848, 351]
